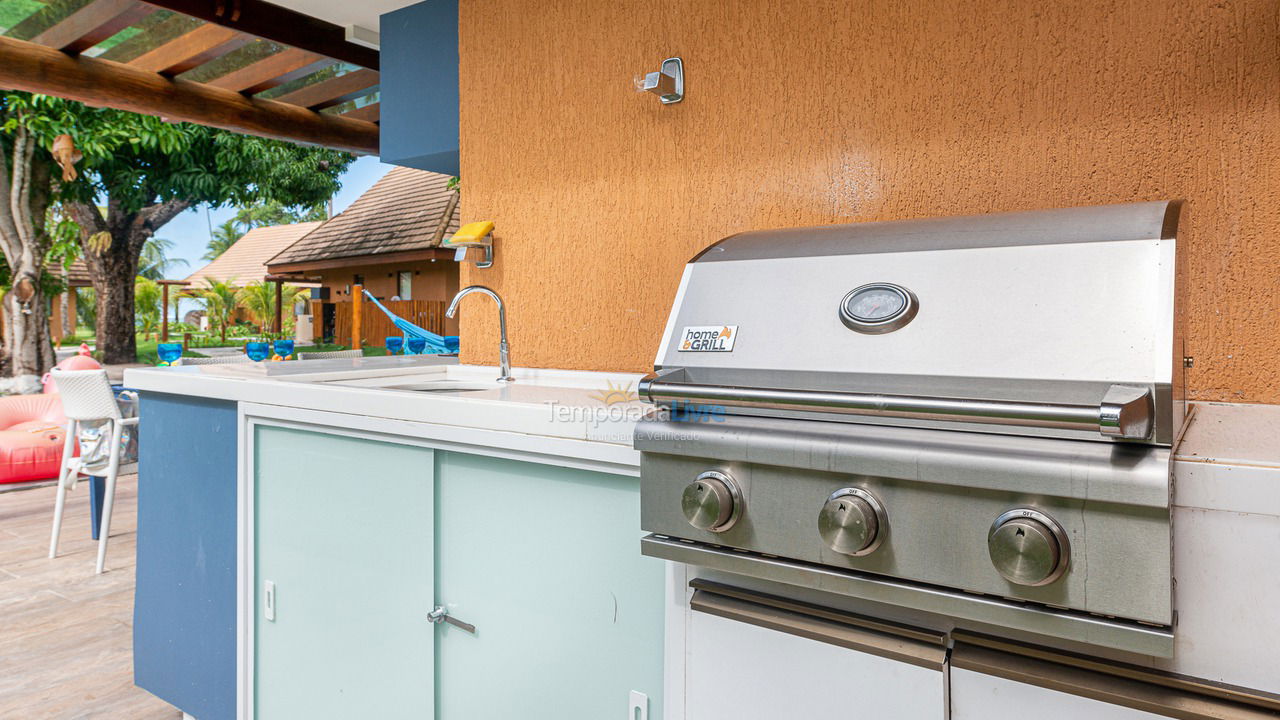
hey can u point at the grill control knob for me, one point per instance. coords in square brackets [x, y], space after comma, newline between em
[1028, 547]
[852, 522]
[712, 502]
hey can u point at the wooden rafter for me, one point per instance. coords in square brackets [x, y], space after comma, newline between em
[92, 24]
[278, 24]
[193, 49]
[368, 113]
[272, 71]
[35, 68]
[333, 91]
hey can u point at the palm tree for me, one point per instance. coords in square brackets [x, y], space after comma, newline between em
[146, 305]
[259, 299]
[224, 236]
[154, 262]
[273, 213]
[219, 303]
[87, 307]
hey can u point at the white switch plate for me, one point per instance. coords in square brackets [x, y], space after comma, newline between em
[639, 706]
[269, 600]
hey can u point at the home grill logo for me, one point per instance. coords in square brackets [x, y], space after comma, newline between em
[708, 338]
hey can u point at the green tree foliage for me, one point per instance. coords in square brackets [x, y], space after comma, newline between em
[259, 299]
[149, 171]
[65, 236]
[86, 308]
[219, 304]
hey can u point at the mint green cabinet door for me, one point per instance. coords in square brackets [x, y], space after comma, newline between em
[545, 562]
[343, 528]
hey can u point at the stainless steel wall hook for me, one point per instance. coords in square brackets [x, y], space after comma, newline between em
[667, 83]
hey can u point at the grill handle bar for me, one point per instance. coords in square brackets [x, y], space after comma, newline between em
[1124, 412]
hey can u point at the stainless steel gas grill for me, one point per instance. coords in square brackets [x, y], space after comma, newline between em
[970, 418]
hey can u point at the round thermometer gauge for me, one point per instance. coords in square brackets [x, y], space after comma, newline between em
[878, 308]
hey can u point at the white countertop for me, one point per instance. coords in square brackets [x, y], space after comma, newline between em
[586, 406]
[593, 414]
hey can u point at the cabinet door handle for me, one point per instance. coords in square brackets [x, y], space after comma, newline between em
[269, 601]
[439, 614]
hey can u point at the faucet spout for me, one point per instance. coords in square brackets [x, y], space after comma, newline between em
[504, 349]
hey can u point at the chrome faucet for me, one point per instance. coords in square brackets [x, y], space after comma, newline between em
[504, 350]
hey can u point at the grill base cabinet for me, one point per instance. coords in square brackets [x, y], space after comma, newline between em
[342, 533]
[975, 696]
[361, 537]
[736, 671]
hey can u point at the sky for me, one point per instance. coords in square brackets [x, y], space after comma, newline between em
[190, 230]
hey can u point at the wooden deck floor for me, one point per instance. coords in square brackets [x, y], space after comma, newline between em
[66, 635]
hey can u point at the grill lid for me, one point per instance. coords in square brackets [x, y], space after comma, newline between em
[1055, 322]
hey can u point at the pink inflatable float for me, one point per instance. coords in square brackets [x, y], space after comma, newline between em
[32, 428]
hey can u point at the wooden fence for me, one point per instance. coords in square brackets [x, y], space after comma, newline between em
[376, 326]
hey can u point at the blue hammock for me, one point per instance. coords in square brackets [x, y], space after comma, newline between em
[436, 344]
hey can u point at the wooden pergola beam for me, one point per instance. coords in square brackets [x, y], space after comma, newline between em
[193, 49]
[92, 24]
[333, 91]
[271, 71]
[369, 113]
[278, 24]
[102, 83]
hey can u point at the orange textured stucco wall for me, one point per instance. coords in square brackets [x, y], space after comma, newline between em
[802, 113]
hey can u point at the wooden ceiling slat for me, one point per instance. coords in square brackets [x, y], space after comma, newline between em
[273, 71]
[278, 24]
[333, 91]
[35, 68]
[193, 49]
[369, 113]
[92, 24]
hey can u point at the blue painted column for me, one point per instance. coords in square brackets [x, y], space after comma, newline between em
[184, 615]
[419, 84]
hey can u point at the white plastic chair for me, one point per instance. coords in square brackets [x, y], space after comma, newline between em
[87, 395]
[330, 354]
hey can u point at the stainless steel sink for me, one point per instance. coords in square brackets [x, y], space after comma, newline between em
[439, 386]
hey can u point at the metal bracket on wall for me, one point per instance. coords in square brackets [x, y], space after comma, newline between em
[667, 83]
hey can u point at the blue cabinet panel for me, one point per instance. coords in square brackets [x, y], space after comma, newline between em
[184, 616]
[420, 86]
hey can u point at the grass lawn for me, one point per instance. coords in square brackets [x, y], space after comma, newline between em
[368, 350]
[147, 354]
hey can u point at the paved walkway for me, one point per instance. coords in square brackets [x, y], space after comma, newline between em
[66, 644]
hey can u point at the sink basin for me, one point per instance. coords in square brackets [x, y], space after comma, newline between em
[442, 386]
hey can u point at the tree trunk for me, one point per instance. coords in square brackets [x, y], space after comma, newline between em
[28, 347]
[114, 268]
[26, 185]
[113, 275]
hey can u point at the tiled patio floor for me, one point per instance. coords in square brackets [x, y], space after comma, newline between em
[65, 633]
